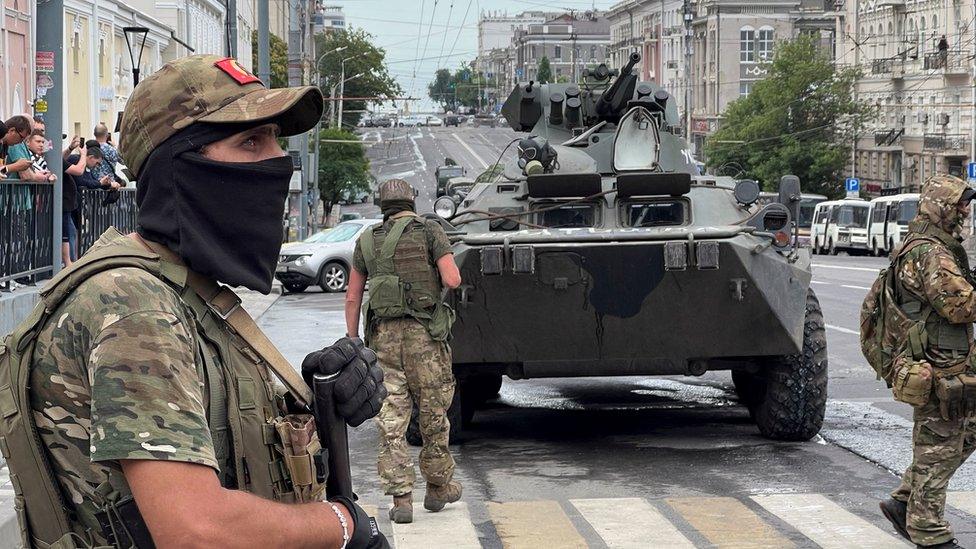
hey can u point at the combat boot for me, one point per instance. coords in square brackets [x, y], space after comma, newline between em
[439, 496]
[402, 510]
[897, 514]
[951, 544]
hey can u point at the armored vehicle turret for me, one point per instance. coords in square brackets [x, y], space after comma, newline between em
[602, 251]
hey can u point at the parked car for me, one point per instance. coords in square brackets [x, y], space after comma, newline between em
[411, 120]
[452, 120]
[382, 122]
[354, 197]
[323, 258]
[434, 121]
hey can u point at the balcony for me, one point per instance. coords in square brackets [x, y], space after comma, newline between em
[944, 142]
[895, 66]
[951, 62]
[888, 138]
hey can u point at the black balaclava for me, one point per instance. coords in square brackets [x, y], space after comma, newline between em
[222, 218]
[393, 207]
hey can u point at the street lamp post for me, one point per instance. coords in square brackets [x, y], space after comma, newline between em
[342, 89]
[135, 59]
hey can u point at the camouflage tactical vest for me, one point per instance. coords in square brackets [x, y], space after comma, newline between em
[402, 281]
[893, 321]
[246, 417]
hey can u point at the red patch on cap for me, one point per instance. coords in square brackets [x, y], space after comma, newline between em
[236, 71]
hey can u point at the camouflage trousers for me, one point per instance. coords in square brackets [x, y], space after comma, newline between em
[939, 447]
[415, 368]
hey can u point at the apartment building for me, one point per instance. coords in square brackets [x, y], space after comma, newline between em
[570, 42]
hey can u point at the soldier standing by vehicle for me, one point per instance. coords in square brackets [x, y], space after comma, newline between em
[408, 260]
[932, 369]
[139, 407]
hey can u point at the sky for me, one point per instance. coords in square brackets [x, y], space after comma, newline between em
[440, 33]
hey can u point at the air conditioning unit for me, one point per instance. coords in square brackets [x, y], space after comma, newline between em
[943, 119]
[923, 118]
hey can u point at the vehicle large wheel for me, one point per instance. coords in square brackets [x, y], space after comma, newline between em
[333, 278]
[454, 416]
[294, 287]
[794, 395]
[481, 388]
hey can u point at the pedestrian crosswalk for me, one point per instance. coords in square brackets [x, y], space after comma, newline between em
[722, 522]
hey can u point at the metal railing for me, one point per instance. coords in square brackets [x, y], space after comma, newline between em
[26, 226]
[944, 142]
[952, 61]
[96, 218]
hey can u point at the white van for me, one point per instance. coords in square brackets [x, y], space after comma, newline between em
[890, 216]
[840, 225]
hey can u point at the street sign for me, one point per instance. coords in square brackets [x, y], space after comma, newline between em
[853, 187]
[971, 170]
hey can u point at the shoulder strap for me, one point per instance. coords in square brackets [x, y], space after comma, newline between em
[367, 245]
[227, 305]
[384, 261]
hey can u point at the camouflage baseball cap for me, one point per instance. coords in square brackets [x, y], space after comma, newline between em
[208, 88]
[396, 189]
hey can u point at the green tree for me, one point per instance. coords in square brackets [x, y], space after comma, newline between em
[343, 167]
[365, 61]
[544, 74]
[441, 89]
[278, 55]
[800, 119]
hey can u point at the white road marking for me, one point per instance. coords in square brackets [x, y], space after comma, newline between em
[855, 287]
[819, 282]
[825, 522]
[965, 501]
[470, 150]
[451, 527]
[866, 269]
[625, 523]
[842, 330]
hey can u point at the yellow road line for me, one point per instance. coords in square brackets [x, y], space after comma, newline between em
[727, 523]
[534, 525]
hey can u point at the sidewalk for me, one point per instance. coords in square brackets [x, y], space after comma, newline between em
[253, 302]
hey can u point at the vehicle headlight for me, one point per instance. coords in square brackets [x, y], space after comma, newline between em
[302, 259]
[445, 207]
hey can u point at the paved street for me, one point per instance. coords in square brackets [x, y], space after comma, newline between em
[640, 461]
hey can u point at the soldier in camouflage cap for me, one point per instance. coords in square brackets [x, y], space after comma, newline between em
[933, 275]
[408, 261]
[142, 390]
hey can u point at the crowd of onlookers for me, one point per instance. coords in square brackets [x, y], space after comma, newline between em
[89, 164]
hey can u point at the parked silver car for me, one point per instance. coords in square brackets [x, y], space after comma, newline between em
[323, 258]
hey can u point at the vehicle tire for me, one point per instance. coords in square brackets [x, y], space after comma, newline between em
[455, 415]
[795, 386]
[294, 287]
[831, 247]
[334, 277]
[481, 388]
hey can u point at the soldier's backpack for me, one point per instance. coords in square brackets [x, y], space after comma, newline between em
[885, 327]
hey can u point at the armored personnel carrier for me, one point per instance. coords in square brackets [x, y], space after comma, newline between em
[602, 251]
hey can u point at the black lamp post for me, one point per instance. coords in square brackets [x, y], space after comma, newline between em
[135, 59]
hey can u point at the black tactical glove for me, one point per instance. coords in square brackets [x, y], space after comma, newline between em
[359, 389]
[365, 533]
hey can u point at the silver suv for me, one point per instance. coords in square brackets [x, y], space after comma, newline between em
[323, 258]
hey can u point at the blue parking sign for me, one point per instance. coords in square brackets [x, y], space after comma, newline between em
[971, 170]
[852, 184]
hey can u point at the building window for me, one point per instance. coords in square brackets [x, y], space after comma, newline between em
[592, 53]
[532, 52]
[765, 44]
[75, 51]
[745, 88]
[558, 54]
[101, 58]
[747, 45]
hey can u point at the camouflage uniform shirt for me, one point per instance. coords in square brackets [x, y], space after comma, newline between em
[437, 242]
[114, 377]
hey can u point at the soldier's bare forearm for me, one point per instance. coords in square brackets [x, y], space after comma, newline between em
[354, 301]
[184, 505]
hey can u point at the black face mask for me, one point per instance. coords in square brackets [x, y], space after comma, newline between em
[224, 219]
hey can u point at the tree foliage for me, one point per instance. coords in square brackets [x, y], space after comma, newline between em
[363, 59]
[278, 57]
[343, 167]
[800, 119]
[452, 91]
[544, 74]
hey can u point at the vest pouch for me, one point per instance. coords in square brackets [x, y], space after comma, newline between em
[949, 337]
[969, 394]
[441, 321]
[386, 296]
[950, 391]
[300, 454]
[912, 382]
